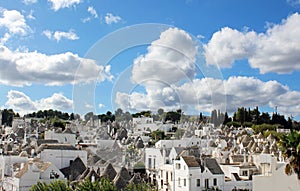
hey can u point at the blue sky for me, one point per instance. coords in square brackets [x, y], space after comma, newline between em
[197, 55]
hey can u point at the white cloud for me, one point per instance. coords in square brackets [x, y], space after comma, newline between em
[93, 12]
[30, 15]
[110, 18]
[172, 54]
[87, 19]
[59, 4]
[100, 105]
[25, 68]
[28, 2]
[208, 93]
[228, 45]
[294, 2]
[56, 101]
[14, 22]
[20, 102]
[47, 33]
[277, 50]
[58, 35]
[169, 60]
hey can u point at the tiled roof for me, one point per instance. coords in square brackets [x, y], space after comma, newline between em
[68, 131]
[119, 182]
[213, 166]
[124, 174]
[56, 147]
[191, 161]
[109, 172]
[75, 169]
[46, 141]
[42, 166]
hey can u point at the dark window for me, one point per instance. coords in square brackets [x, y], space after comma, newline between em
[198, 182]
[215, 182]
[206, 183]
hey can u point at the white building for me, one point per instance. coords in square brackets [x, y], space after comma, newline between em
[7, 162]
[61, 154]
[142, 120]
[276, 179]
[66, 137]
[187, 173]
[186, 142]
[30, 173]
[237, 176]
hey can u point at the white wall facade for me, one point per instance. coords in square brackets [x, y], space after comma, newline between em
[65, 138]
[62, 158]
[278, 181]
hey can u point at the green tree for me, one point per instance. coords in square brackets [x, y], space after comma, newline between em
[72, 116]
[56, 185]
[240, 115]
[88, 116]
[158, 135]
[264, 127]
[264, 118]
[226, 118]
[201, 117]
[278, 119]
[8, 116]
[56, 122]
[290, 146]
[138, 187]
[173, 116]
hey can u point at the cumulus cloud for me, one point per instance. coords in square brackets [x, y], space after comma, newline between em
[110, 18]
[294, 2]
[169, 61]
[174, 54]
[14, 23]
[228, 45]
[60, 4]
[93, 12]
[25, 68]
[28, 2]
[20, 102]
[56, 101]
[276, 50]
[58, 35]
[208, 93]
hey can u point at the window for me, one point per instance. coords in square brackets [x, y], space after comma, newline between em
[161, 183]
[171, 176]
[183, 167]
[149, 163]
[215, 182]
[184, 182]
[162, 174]
[178, 181]
[244, 173]
[167, 177]
[178, 166]
[154, 163]
[206, 183]
[198, 182]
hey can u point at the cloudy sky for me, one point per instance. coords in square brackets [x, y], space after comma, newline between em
[197, 55]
